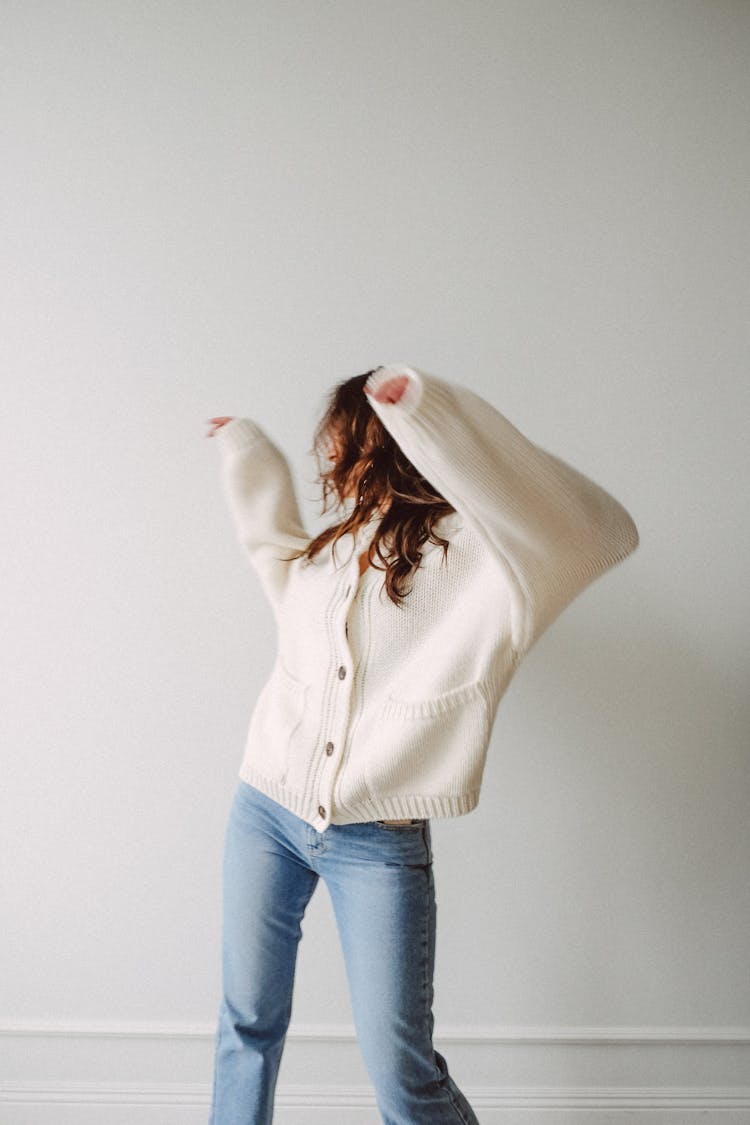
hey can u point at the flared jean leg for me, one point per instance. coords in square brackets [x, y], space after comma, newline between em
[383, 894]
[266, 888]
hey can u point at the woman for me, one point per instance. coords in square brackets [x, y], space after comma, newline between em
[462, 542]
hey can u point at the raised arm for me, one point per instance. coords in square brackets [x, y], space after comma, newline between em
[552, 529]
[260, 493]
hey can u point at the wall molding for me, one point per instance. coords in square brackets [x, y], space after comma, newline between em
[70, 1103]
[62, 1072]
[343, 1096]
[345, 1033]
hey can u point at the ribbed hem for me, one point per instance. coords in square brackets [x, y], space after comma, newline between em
[397, 808]
[238, 434]
[380, 808]
[411, 397]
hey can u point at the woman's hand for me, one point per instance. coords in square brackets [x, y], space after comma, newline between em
[217, 423]
[391, 390]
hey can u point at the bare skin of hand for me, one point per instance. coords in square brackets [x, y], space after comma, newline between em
[391, 390]
[217, 423]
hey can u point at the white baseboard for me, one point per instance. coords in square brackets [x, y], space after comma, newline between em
[128, 1104]
[114, 1073]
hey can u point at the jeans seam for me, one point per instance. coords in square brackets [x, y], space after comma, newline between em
[440, 1089]
[212, 1118]
[459, 1111]
[426, 1000]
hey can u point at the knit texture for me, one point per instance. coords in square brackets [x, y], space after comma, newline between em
[377, 711]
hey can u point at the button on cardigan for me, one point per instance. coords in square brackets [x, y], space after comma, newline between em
[374, 711]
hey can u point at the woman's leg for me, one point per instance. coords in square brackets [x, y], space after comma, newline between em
[381, 882]
[266, 887]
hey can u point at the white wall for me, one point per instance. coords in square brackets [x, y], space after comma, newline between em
[225, 208]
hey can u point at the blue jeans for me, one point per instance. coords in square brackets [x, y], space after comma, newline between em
[381, 884]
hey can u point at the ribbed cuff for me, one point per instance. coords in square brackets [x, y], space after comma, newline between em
[411, 397]
[237, 435]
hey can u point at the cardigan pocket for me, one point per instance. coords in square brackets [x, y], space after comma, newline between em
[433, 746]
[278, 715]
[436, 705]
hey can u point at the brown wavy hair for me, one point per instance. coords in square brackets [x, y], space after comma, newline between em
[371, 466]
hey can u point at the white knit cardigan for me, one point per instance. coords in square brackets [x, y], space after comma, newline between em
[376, 711]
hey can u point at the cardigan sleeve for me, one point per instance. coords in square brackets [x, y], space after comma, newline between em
[551, 528]
[258, 487]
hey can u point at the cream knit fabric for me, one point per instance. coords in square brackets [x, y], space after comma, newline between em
[376, 711]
